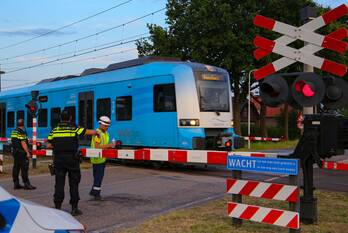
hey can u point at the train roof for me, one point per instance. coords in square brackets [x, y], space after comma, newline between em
[137, 68]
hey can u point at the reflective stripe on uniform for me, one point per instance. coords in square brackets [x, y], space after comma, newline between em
[96, 188]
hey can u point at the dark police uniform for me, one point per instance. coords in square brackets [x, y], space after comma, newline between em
[21, 162]
[64, 139]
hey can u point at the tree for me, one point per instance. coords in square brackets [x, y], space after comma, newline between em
[220, 33]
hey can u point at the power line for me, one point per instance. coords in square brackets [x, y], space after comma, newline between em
[65, 26]
[75, 55]
[96, 57]
[86, 59]
[85, 37]
[73, 52]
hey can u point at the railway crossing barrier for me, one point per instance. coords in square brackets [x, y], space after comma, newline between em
[273, 191]
[335, 166]
[264, 139]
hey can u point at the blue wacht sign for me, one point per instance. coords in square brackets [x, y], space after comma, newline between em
[269, 165]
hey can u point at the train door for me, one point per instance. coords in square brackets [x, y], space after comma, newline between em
[86, 113]
[3, 120]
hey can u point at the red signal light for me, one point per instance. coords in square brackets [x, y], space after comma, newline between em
[305, 88]
[228, 143]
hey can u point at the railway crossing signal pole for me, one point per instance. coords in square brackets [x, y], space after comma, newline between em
[32, 109]
[307, 14]
[324, 135]
[308, 203]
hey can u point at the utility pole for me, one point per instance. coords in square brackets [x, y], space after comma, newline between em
[1, 72]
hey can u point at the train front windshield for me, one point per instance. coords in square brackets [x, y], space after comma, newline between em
[213, 92]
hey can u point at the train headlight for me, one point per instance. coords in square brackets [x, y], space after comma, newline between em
[189, 122]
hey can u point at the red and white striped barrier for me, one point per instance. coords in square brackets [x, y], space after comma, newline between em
[305, 33]
[335, 166]
[265, 190]
[252, 138]
[277, 217]
[165, 155]
[4, 140]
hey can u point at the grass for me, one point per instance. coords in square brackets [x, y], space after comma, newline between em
[255, 146]
[41, 166]
[212, 218]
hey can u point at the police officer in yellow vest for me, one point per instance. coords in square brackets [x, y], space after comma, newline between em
[21, 155]
[64, 141]
[100, 141]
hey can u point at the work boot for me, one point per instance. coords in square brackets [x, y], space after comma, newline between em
[75, 210]
[28, 186]
[57, 205]
[17, 186]
[98, 198]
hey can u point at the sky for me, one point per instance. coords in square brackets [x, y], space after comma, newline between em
[112, 33]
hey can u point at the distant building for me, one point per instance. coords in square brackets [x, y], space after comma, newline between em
[255, 109]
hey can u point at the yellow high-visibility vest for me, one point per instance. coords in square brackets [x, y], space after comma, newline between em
[102, 140]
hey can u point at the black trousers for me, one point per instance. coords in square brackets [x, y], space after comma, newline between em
[63, 165]
[20, 164]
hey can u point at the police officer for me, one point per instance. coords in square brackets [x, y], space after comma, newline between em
[21, 155]
[100, 141]
[64, 141]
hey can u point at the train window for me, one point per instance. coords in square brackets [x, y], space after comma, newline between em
[55, 117]
[72, 111]
[103, 107]
[164, 98]
[42, 117]
[29, 120]
[10, 119]
[124, 108]
[20, 115]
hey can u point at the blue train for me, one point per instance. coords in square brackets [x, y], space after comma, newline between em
[152, 102]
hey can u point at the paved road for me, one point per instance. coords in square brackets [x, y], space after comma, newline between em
[135, 193]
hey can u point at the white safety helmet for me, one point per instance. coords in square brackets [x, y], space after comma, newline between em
[104, 120]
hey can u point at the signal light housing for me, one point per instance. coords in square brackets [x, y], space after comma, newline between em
[336, 94]
[32, 107]
[274, 90]
[308, 89]
[304, 90]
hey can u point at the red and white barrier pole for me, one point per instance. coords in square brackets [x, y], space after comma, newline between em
[34, 141]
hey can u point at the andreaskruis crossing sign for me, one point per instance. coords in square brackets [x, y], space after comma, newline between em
[305, 33]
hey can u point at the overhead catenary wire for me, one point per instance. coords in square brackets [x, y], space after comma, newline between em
[77, 74]
[65, 26]
[84, 37]
[75, 55]
[75, 51]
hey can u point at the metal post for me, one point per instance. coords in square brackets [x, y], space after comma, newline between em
[34, 141]
[307, 14]
[249, 100]
[308, 201]
[309, 208]
[294, 180]
[237, 198]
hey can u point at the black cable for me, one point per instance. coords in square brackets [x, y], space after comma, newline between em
[84, 37]
[75, 55]
[80, 50]
[63, 27]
